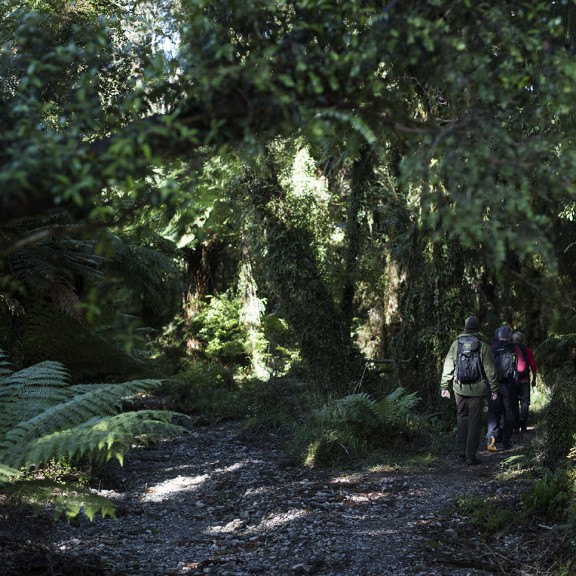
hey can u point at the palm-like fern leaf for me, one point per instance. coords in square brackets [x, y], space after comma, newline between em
[44, 418]
[45, 373]
[7, 473]
[98, 438]
[69, 502]
[147, 271]
[25, 393]
[90, 401]
[396, 408]
[4, 365]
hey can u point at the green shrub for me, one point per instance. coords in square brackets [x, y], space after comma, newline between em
[278, 403]
[206, 389]
[559, 419]
[550, 495]
[228, 337]
[488, 517]
[281, 350]
[218, 325]
[351, 427]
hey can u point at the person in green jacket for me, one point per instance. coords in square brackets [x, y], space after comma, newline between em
[470, 397]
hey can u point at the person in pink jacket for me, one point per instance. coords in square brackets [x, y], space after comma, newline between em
[524, 380]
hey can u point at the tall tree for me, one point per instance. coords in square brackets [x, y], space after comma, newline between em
[474, 97]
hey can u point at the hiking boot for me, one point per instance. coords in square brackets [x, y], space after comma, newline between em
[473, 462]
[491, 444]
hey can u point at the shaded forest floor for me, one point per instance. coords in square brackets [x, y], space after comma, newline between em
[217, 501]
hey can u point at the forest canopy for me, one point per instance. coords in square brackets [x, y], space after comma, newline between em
[367, 174]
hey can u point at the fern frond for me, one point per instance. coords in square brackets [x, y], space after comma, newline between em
[7, 473]
[396, 408]
[5, 369]
[146, 271]
[44, 419]
[85, 403]
[131, 388]
[45, 373]
[25, 393]
[98, 439]
[358, 399]
[354, 121]
[357, 407]
[87, 354]
[65, 499]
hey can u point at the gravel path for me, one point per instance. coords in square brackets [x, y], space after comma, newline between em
[216, 502]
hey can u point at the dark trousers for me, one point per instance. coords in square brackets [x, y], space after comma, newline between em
[523, 395]
[495, 418]
[468, 420]
[505, 408]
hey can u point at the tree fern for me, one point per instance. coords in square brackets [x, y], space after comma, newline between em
[88, 354]
[4, 365]
[44, 418]
[392, 411]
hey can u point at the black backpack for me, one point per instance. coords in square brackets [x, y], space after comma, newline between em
[468, 368]
[505, 361]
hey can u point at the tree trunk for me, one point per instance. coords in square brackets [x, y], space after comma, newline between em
[362, 174]
[331, 360]
[201, 262]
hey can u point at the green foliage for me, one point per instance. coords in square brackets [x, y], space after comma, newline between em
[351, 427]
[229, 337]
[291, 271]
[206, 390]
[45, 418]
[555, 354]
[65, 498]
[219, 326]
[281, 349]
[470, 134]
[433, 304]
[559, 418]
[279, 404]
[489, 517]
[550, 495]
[88, 355]
[396, 409]
[84, 301]
[143, 276]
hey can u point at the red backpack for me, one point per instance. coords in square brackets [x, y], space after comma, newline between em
[522, 367]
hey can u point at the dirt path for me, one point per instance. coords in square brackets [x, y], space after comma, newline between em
[217, 502]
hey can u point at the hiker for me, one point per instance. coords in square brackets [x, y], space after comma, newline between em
[504, 405]
[469, 368]
[523, 381]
